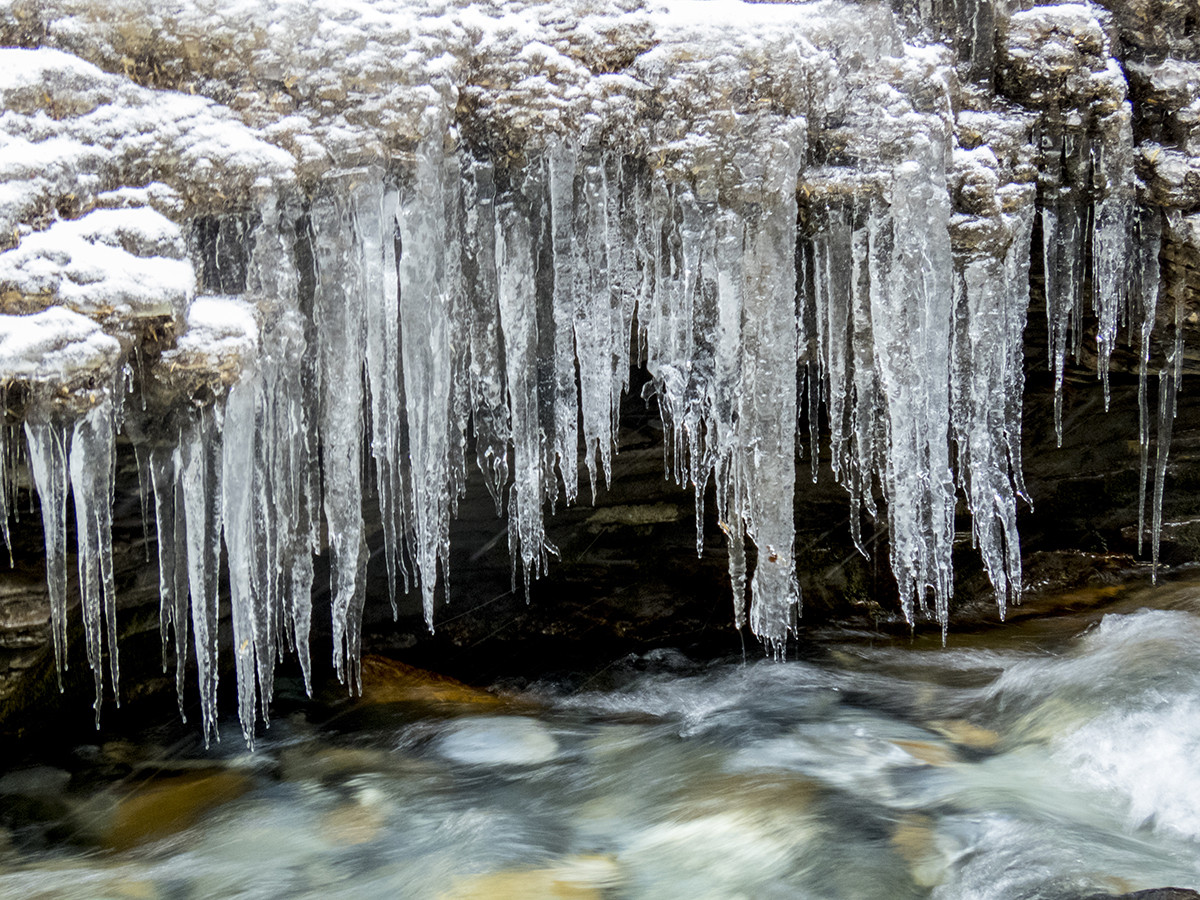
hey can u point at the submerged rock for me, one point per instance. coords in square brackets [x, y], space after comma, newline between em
[498, 741]
[577, 878]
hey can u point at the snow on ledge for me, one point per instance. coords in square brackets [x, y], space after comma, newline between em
[221, 336]
[114, 265]
[54, 347]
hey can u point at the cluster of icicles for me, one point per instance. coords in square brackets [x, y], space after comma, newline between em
[457, 297]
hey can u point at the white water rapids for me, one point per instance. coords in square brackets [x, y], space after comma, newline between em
[1056, 759]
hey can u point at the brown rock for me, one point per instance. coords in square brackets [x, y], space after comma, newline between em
[579, 878]
[163, 806]
[388, 681]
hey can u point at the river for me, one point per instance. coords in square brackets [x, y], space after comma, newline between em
[1053, 758]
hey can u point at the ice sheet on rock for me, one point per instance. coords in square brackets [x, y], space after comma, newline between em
[112, 264]
[155, 195]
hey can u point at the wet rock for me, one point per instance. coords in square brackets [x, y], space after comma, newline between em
[33, 795]
[309, 762]
[576, 878]
[158, 807]
[915, 839]
[390, 681]
[717, 854]
[966, 734]
[354, 823]
[928, 752]
[498, 741]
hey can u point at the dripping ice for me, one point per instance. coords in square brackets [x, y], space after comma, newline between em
[457, 297]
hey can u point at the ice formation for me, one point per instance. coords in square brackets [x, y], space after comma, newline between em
[451, 224]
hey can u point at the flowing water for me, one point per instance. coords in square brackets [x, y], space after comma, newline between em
[1054, 759]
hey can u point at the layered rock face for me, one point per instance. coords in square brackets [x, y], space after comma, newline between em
[285, 257]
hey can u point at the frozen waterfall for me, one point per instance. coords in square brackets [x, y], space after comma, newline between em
[778, 211]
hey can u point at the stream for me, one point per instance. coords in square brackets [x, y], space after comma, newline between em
[1058, 757]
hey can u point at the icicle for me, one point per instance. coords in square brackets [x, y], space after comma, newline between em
[172, 559]
[844, 342]
[1016, 279]
[1143, 300]
[668, 321]
[1166, 399]
[198, 464]
[7, 490]
[720, 331]
[736, 537]
[911, 311]
[624, 194]
[571, 289]
[141, 460]
[489, 412]
[515, 268]
[285, 489]
[266, 534]
[808, 351]
[1063, 215]
[427, 362]
[243, 531]
[458, 313]
[990, 310]
[723, 434]
[1113, 167]
[1170, 380]
[381, 290]
[695, 413]
[767, 410]
[282, 456]
[339, 313]
[49, 450]
[595, 312]
[91, 463]
[834, 264]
